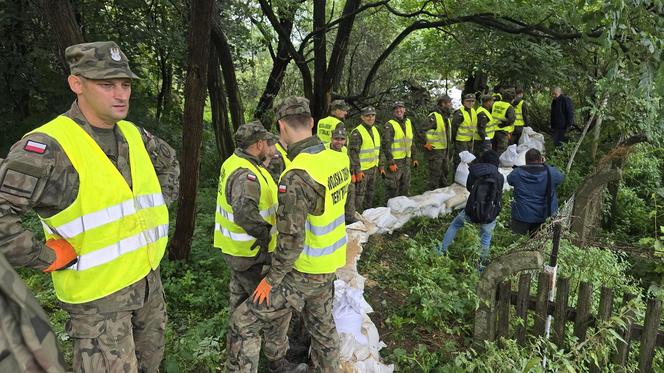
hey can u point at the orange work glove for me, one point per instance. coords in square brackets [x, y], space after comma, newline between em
[359, 176]
[353, 179]
[382, 172]
[65, 255]
[428, 146]
[262, 292]
[393, 168]
[416, 163]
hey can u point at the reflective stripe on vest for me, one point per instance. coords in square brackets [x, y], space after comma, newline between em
[498, 112]
[370, 150]
[401, 145]
[518, 111]
[228, 235]
[119, 233]
[468, 127]
[491, 125]
[324, 249]
[325, 128]
[438, 136]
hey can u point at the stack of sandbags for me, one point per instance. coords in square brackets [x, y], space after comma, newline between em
[432, 203]
[382, 218]
[404, 209]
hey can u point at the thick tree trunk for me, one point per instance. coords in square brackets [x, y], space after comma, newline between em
[198, 48]
[228, 71]
[320, 61]
[222, 133]
[339, 50]
[60, 15]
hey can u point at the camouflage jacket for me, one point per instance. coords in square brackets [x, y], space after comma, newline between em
[243, 193]
[47, 183]
[299, 195]
[387, 138]
[277, 165]
[27, 342]
[482, 122]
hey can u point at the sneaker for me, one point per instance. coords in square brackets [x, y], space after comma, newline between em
[285, 366]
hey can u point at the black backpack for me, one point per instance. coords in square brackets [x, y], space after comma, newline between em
[483, 205]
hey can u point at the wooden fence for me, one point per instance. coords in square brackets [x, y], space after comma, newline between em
[648, 334]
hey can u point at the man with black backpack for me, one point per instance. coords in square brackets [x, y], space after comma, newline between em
[485, 184]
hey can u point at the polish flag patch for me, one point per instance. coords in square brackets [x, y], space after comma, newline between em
[251, 177]
[35, 147]
[282, 188]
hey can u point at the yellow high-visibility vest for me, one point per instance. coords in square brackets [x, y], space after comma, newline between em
[283, 153]
[370, 150]
[325, 235]
[401, 146]
[325, 128]
[490, 126]
[230, 237]
[518, 111]
[498, 112]
[468, 127]
[119, 233]
[438, 136]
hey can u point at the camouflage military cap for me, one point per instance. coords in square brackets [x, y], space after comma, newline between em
[252, 132]
[292, 105]
[98, 60]
[469, 96]
[397, 104]
[339, 132]
[369, 110]
[338, 104]
[486, 98]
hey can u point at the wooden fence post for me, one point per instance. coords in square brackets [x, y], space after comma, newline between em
[622, 348]
[503, 309]
[560, 312]
[583, 305]
[649, 336]
[522, 307]
[542, 305]
[604, 313]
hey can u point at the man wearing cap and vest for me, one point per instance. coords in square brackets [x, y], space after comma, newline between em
[520, 114]
[338, 111]
[338, 143]
[364, 154]
[246, 212]
[437, 134]
[486, 126]
[503, 113]
[398, 148]
[464, 126]
[101, 187]
[311, 246]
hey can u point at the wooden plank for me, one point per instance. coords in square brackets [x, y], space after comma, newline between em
[503, 309]
[622, 348]
[522, 307]
[603, 314]
[542, 303]
[560, 311]
[649, 337]
[637, 332]
[583, 304]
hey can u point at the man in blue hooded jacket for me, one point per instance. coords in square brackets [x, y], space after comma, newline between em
[534, 193]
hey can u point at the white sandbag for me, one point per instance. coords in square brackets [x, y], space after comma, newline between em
[402, 219]
[382, 217]
[402, 205]
[505, 171]
[510, 157]
[466, 156]
[532, 139]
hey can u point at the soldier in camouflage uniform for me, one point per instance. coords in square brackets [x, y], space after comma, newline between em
[457, 121]
[338, 143]
[437, 145]
[505, 120]
[364, 180]
[122, 331]
[397, 175]
[278, 159]
[27, 343]
[286, 288]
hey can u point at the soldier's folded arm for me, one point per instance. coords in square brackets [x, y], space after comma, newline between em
[165, 163]
[299, 196]
[510, 116]
[482, 121]
[244, 193]
[29, 168]
[355, 143]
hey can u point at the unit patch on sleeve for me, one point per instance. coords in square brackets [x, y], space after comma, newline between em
[282, 188]
[35, 147]
[251, 177]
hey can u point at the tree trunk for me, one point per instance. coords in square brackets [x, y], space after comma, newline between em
[164, 95]
[320, 61]
[228, 71]
[60, 15]
[339, 51]
[198, 48]
[222, 133]
[597, 131]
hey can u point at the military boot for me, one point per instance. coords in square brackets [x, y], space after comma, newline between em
[285, 366]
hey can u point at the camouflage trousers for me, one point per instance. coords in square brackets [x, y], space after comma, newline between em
[312, 296]
[438, 164]
[500, 141]
[350, 201]
[398, 183]
[122, 332]
[516, 135]
[364, 190]
[461, 146]
[242, 284]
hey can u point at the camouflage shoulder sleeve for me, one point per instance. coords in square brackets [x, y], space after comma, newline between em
[510, 115]
[386, 140]
[354, 145]
[299, 195]
[165, 163]
[244, 191]
[32, 176]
